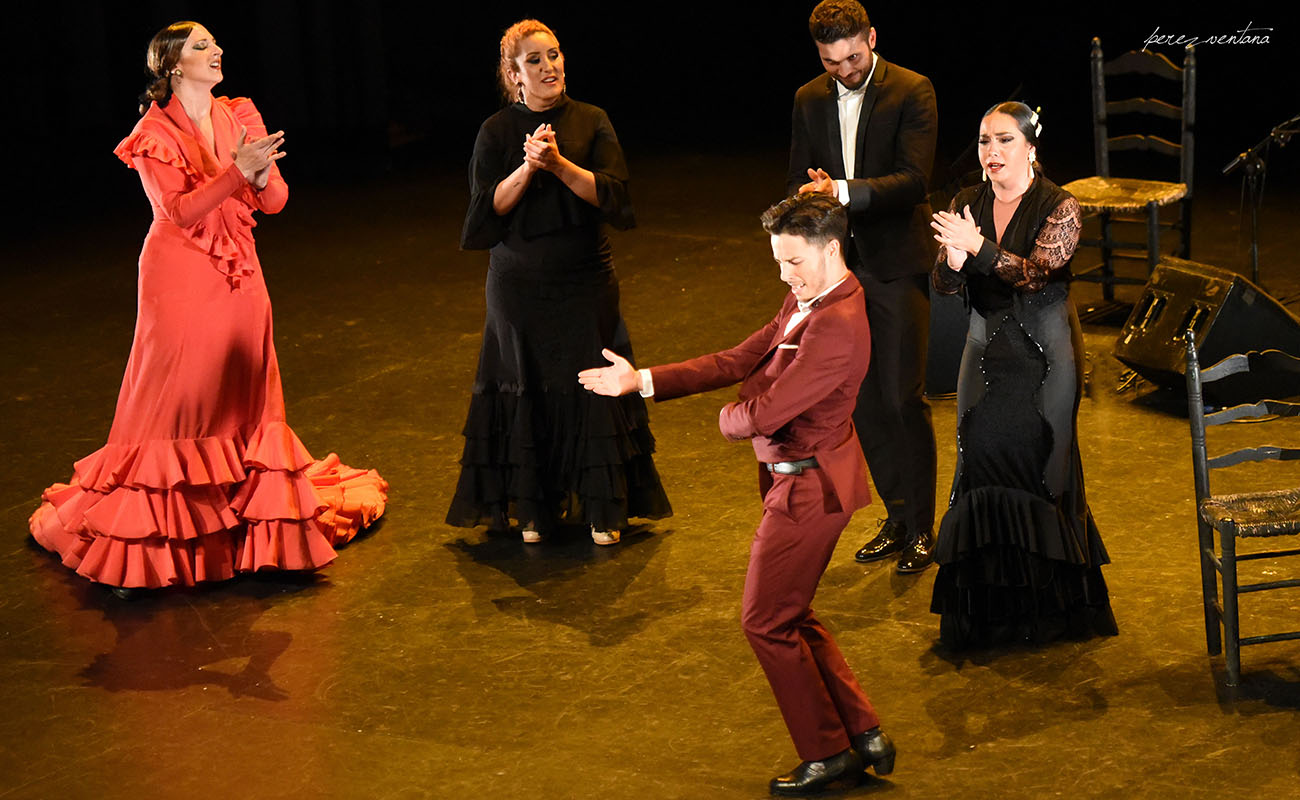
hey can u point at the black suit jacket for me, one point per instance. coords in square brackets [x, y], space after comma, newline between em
[888, 211]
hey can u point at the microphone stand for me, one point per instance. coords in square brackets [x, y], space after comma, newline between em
[1255, 166]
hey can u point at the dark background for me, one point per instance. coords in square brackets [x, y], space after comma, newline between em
[367, 90]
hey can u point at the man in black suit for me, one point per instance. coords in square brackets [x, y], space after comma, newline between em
[888, 114]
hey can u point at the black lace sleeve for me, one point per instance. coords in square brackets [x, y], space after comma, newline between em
[1053, 247]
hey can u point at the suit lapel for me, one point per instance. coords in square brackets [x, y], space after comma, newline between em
[788, 310]
[782, 319]
[864, 118]
[844, 290]
[791, 306]
[831, 115]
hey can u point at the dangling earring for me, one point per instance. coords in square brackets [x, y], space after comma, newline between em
[1031, 165]
[984, 174]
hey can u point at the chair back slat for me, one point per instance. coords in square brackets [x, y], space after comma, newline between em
[1145, 144]
[1232, 365]
[1266, 452]
[1274, 361]
[1254, 361]
[1264, 408]
[1144, 105]
[1145, 62]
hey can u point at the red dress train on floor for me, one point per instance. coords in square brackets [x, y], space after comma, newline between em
[201, 476]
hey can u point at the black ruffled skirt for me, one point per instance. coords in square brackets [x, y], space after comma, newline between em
[1013, 568]
[539, 448]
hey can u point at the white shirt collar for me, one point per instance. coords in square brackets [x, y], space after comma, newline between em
[813, 302]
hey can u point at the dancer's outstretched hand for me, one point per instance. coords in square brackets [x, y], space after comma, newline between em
[617, 379]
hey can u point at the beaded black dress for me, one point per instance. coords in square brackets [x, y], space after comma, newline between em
[538, 447]
[1019, 554]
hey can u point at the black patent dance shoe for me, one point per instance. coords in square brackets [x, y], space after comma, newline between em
[876, 750]
[124, 592]
[889, 540]
[918, 554]
[811, 777]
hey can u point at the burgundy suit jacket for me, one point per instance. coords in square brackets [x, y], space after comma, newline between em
[797, 390]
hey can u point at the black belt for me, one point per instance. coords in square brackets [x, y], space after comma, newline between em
[792, 467]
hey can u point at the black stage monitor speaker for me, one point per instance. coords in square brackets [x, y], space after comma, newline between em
[1228, 313]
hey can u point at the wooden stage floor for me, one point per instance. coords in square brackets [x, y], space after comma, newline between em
[430, 661]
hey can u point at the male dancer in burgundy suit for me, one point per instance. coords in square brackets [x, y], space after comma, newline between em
[865, 132]
[799, 379]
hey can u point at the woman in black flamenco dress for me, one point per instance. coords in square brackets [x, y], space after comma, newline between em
[546, 175]
[1019, 554]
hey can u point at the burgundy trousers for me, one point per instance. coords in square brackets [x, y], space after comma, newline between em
[819, 697]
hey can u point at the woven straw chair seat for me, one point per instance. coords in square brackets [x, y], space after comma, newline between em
[1274, 513]
[1097, 194]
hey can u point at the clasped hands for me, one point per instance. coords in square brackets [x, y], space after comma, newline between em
[541, 150]
[254, 158]
[619, 378]
[959, 234]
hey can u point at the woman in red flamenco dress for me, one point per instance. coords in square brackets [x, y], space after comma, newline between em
[201, 477]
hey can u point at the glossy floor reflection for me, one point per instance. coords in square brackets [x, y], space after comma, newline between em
[438, 662]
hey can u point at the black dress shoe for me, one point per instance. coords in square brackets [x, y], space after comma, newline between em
[876, 750]
[811, 777]
[918, 553]
[889, 540]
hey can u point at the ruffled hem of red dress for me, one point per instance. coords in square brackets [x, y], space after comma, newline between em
[212, 460]
[183, 512]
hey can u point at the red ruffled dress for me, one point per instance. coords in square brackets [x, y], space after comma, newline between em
[201, 477]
